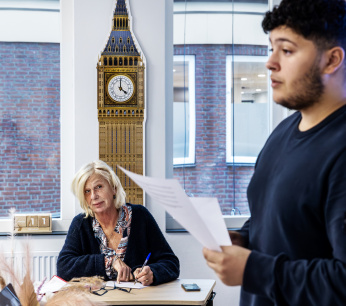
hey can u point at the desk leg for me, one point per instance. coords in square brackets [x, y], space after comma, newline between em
[211, 299]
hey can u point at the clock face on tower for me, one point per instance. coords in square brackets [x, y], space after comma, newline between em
[120, 88]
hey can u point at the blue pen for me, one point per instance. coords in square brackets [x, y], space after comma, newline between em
[145, 262]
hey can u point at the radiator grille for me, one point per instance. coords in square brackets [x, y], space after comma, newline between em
[43, 264]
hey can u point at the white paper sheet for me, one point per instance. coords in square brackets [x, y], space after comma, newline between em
[53, 285]
[125, 285]
[201, 217]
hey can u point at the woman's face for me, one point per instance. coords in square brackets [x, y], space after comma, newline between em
[99, 194]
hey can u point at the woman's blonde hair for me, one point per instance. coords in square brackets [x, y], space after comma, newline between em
[101, 168]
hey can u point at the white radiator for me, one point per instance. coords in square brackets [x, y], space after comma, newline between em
[43, 264]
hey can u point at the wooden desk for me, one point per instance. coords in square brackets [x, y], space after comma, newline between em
[166, 294]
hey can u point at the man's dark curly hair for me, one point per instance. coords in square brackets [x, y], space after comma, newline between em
[321, 21]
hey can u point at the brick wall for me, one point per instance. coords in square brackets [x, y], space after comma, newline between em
[29, 127]
[211, 176]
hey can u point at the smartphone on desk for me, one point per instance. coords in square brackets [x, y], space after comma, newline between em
[191, 287]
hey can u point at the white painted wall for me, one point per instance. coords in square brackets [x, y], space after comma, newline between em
[35, 15]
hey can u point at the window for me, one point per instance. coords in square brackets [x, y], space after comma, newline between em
[247, 106]
[232, 102]
[30, 109]
[30, 127]
[35, 125]
[184, 110]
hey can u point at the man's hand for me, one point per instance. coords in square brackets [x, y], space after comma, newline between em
[229, 265]
[146, 277]
[124, 271]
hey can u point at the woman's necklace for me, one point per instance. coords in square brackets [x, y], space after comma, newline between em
[109, 237]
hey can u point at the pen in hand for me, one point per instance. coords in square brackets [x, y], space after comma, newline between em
[145, 262]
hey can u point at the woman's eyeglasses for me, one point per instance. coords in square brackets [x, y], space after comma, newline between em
[103, 290]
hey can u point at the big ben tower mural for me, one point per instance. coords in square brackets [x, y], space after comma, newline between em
[121, 101]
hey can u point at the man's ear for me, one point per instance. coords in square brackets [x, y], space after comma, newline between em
[335, 58]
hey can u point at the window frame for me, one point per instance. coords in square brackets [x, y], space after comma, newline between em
[190, 159]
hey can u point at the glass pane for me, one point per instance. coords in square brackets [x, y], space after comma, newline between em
[232, 110]
[29, 119]
[249, 107]
[181, 109]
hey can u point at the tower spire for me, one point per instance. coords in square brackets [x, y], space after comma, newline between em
[120, 40]
[121, 17]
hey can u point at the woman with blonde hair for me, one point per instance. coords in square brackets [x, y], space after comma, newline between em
[112, 238]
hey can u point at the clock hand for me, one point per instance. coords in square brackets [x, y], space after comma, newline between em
[121, 89]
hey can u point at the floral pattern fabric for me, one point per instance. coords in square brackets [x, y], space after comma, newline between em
[123, 228]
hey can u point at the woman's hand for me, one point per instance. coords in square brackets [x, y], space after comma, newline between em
[146, 277]
[124, 271]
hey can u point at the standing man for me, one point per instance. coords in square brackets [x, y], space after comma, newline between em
[292, 251]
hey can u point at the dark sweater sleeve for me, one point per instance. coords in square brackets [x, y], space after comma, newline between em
[163, 262]
[80, 255]
[318, 281]
[244, 231]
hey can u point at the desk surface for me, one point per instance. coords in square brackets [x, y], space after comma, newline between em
[166, 294]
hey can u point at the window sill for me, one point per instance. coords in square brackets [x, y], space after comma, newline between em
[35, 234]
[240, 164]
[184, 165]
